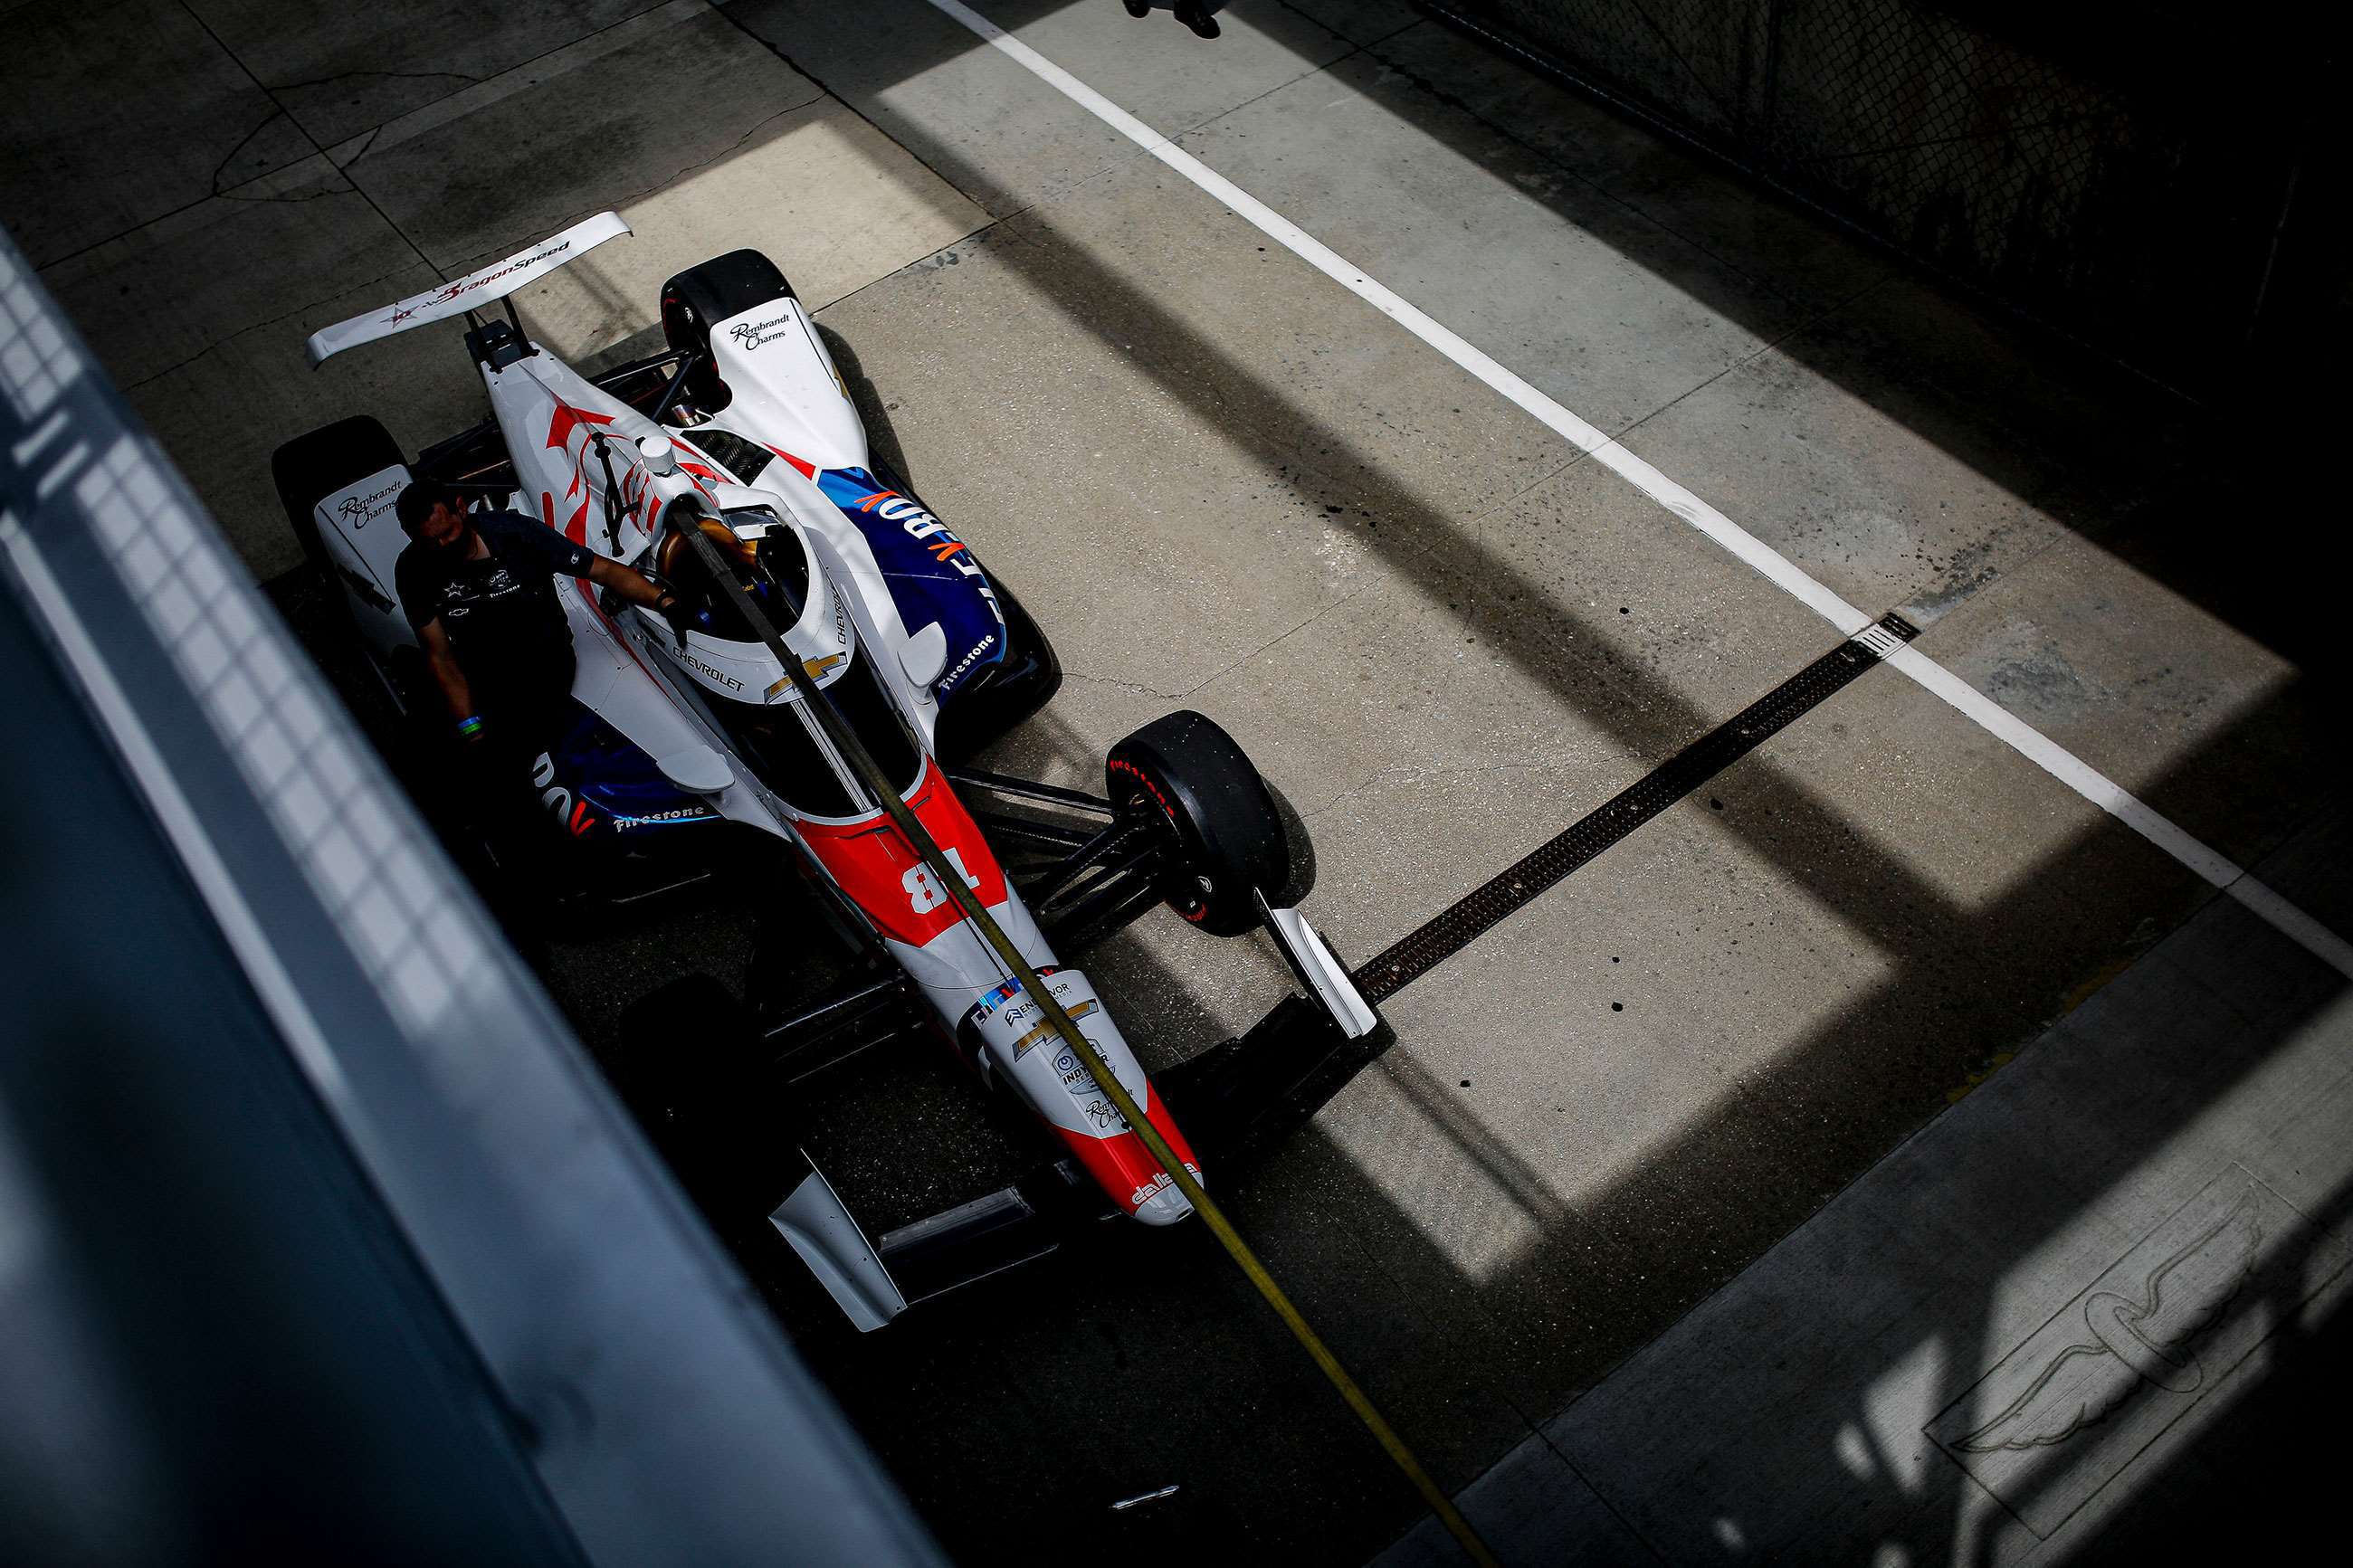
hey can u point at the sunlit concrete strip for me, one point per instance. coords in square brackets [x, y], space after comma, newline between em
[1778, 569]
[1932, 1369]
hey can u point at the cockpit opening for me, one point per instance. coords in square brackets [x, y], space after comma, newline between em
[783, 741]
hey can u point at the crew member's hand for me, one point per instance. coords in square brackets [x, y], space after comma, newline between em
[669, 608]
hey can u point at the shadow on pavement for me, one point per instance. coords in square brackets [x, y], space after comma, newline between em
[1016, 1412]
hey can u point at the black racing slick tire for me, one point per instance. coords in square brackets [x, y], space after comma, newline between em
[309, 469]
[702, 296]
[691, 1073]
[1183, 771]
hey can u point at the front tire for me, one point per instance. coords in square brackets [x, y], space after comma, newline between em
[1187, 774]
[700, 297]
[310, 468]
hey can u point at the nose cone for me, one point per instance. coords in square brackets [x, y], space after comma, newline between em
[1165, 1207]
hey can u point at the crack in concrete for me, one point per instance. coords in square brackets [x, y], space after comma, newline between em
[221, 44]
[388, 76]
[1227, 670]
[723, 155]
[1137, 687]
[221, 168]
[252, 327]
[1396, 771]
[289, 198]
[367, 141]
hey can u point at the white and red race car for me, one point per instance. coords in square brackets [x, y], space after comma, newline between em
[744, 433]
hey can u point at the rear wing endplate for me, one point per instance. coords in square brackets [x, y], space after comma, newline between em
[443, 300]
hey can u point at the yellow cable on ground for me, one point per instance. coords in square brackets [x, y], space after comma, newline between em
[947, 876]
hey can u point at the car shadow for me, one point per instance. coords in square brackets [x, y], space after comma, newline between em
[1010, 1409]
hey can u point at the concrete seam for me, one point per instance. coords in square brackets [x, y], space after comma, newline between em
[1344, 37]
[1624, 1520]
[213, 348]
[1424, 84]
[969, 234]
[222, 44]
[1744, 361]
[1229, 668]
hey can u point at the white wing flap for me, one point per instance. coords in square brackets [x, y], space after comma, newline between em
[495, 282]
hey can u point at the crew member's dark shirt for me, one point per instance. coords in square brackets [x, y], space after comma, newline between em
[502, 607]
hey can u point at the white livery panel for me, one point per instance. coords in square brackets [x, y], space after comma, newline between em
[776, 365]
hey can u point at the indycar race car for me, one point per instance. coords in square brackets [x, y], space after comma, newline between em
[739, 453]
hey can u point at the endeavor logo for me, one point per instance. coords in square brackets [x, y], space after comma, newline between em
[361, 511]
[752, 335]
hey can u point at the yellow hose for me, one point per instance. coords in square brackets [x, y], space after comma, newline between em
[947, 876]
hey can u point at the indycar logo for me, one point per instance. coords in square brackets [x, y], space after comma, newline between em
[361, 511]
[753, 335]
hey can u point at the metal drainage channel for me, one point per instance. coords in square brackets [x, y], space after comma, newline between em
[1431, 943]
[1449, 932]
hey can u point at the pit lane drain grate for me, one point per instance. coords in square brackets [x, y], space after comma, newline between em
[1492, 903]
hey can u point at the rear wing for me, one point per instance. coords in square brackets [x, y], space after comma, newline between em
[495, 282]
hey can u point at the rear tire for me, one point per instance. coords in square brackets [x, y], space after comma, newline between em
[691, 1074]
[700, 297]
[310, 468]
[1183, 771]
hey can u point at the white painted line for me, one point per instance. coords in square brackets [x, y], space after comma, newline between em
[2065, 766]
[1776, 567]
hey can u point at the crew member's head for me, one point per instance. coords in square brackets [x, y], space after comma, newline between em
[434, 515]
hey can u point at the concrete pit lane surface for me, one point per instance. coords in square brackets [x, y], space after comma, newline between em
[1224, 479]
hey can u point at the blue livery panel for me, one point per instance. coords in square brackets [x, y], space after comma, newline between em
[930, 571]
[596, 780]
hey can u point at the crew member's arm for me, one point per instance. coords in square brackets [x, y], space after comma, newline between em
[627, 581]
[562, 558]
[439, 658]
[638, 588]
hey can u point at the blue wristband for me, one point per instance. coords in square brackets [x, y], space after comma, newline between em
[470, 727]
